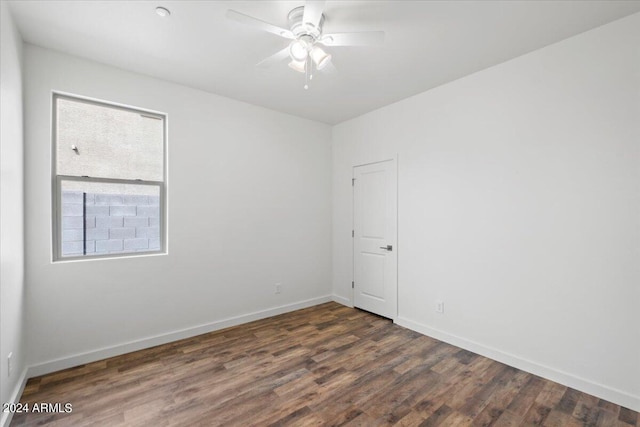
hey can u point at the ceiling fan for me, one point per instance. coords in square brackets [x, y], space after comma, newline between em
[306, 48]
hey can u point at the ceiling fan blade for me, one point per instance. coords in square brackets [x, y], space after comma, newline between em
[313, 12]
[367, 38]
[257, 23]
[274, 59]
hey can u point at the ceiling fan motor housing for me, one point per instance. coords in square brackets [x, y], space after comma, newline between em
[300, 28]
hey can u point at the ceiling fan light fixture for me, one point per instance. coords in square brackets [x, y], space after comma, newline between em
[320, 57]
[298, 50]
[299, 66]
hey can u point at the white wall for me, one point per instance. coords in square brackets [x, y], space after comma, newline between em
[519, 206]
[11, 209]
[265, 218]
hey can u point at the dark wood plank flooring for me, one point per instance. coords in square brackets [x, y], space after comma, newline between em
[325, 365]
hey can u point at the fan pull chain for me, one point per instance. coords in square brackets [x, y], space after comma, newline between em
[306, 77]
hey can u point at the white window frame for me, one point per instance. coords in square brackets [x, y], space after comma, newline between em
[57, 180]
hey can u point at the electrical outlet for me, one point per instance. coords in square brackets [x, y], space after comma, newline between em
[278, 288]
[439, 306]
[9, 367]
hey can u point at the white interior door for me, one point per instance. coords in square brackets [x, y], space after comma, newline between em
[375, 231]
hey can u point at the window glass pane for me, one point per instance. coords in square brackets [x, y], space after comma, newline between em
[108, 218]
[111, 142]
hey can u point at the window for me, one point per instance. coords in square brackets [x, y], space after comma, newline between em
[109, 175]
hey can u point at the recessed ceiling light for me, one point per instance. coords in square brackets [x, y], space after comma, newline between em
[161, 11]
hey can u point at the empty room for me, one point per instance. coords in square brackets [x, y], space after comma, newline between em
[362, 213]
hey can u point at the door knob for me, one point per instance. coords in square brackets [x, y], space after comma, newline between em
[387, 248]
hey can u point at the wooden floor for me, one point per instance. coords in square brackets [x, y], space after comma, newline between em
[326, 365]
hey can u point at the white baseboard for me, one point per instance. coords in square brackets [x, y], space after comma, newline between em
[341, 300]
[104, 353]
[604, 392]
[5, 420]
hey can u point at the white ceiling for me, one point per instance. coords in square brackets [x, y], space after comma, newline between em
[428, 43]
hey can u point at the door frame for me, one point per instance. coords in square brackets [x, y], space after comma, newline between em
[393, 158]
